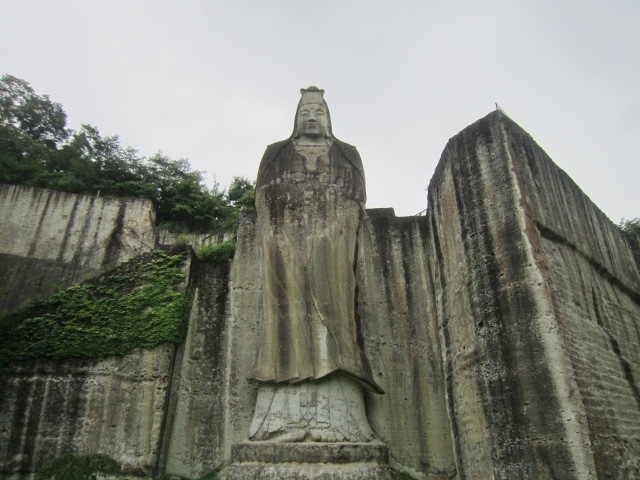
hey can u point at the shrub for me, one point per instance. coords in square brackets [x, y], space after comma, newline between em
[217, 252]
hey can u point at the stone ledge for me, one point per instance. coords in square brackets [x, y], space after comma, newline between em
[308, 471]
[335, 453]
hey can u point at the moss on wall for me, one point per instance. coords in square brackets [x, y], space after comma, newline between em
[142, 305]
[73, 467]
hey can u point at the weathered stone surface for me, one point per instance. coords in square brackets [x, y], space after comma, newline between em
[242, 336]
[51, 239]
[311, 452]
[114, 407]
[396, 307]
[338, 461]
[195, 422]
[537, 303]
[308, 471]
[503, 327]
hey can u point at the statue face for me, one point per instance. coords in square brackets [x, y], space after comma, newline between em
[312, 120]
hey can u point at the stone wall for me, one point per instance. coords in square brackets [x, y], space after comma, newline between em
[595, 292]
[537, 305]
[51, 239]
[503, 326]
[115, 407]
[195, 435]
[395, 306]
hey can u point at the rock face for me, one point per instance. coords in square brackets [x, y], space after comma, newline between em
[131, 408]
[538, 308]
[195, 422]
[503, 327]
[114, 407]
[396, 302]
[51, 239]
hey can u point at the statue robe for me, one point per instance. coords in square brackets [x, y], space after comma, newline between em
[309, 205]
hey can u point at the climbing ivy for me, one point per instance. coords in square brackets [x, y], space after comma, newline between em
[142, 305]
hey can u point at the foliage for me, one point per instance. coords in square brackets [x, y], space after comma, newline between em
[37, 149]
[35, 115]
[241, 194]
[217, 252]
[76, 467]
[630, 227]
[139, 306]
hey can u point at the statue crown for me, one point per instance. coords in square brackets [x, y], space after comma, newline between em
[312, 95]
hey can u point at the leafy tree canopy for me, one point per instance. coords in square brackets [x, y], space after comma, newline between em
[630, 227]
[37, 149]
[35, 115]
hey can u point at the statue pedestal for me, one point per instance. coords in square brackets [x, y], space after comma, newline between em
[309, 461]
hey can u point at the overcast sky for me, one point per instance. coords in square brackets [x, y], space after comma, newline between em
[216, 82]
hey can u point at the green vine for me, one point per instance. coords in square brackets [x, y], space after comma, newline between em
[140, 305]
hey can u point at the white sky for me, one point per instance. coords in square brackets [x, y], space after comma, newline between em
[216, 82]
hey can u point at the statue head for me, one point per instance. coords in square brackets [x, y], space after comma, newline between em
[312, 115]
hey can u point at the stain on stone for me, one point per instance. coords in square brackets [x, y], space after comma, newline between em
[36, 235]
[69, 228]
[507, 373]
[494, 195]
[114, 244]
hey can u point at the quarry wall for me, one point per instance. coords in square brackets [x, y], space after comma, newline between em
[398, 327]
[538, 311]
[194, 436]
[51, 239]
[114, 407]
[396, 309]
[503, 327]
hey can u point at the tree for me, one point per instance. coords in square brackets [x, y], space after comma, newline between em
[22, 158]
[36, 115]
[182, 199]
[37, 149]
[630, 227]
[241, 194]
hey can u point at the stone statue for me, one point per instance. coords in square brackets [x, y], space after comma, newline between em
[310, 197]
